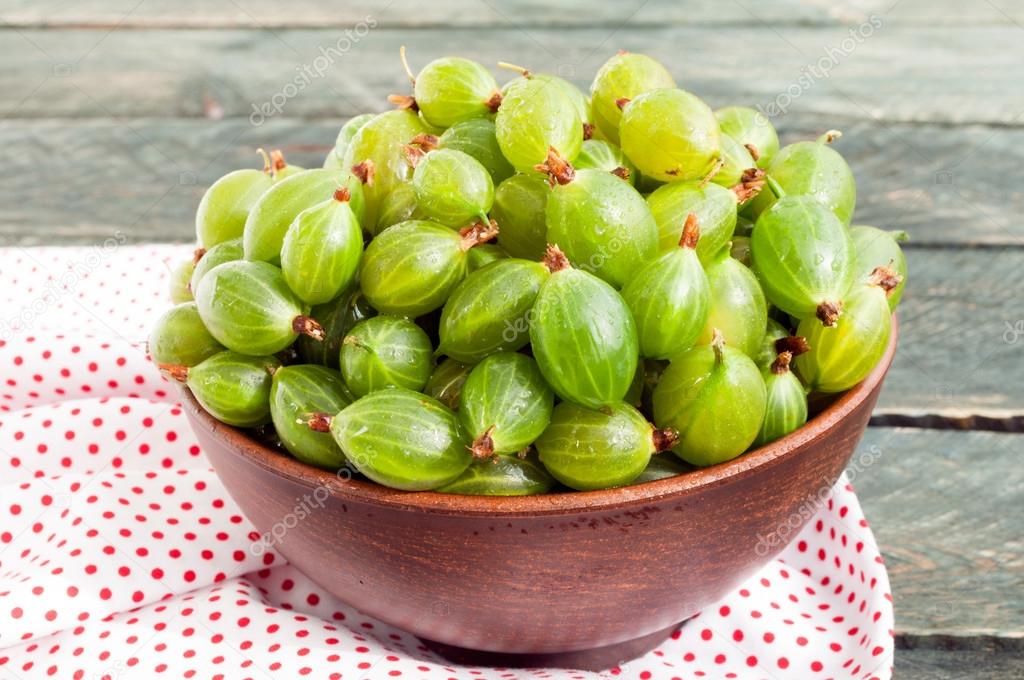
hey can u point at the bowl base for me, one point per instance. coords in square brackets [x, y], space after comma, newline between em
[596, 659]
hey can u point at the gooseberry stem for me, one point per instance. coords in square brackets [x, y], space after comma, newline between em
[175, 371]
[718, 346]
[307, 325]
[829, 137]
[353, 341]
[365, 172]
[197, 255]
[781, 363]
[719, 164]
[899, 235]
[752, 181]
[277, 162]
[483, 446]
[885, 278]
[554, 259]
[795, 345]
[691, 232]
[494, 103]
[405, 65]
[475, 234]
[664, 439]
[754, 153]
[524, 72]
[319, 422]
[558, 170]
[266, 160]
[828, 312]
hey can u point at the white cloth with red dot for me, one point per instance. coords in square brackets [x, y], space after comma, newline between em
[122, 555]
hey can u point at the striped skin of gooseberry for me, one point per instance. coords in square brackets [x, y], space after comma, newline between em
[452, 188]
[225, 206]
[767, 353]
[842, 355]
[505, 404]
[321, 250]
[714, 397]
[226, 251]
[599, 154]
[875, 248]
[737, 308]
[410, 269]
[180, 338]
[804, 257]
[450, 90]
[502, 476]
[669, 298]
[735, 159]
[579, 100]
[180, 275]
[601, 223]
[378, 149]
[398, 206]
[386, 351]
[519, 207]
[298, 391]
[786, 404]
[445, 383]
[270, 218]
[477, 138]
[248, 308]
[812, 169]
[750, 127]
[482, 255]
[583, 336]
[402, 439]
[588, 449]
[489, 311]
[337, 318]
[624, 76]
[234, 388]
[662, 466]
[670, 135]
[714, 206]
[535, 116]
[346, 134]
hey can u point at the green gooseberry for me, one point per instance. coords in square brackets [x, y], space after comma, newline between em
[345, 136]
[579, 100]
[445, 383]
[248, 308]
[842, 355]
[452, 187]
[583, 335]
[398, 206]
[662, 466]
[377, 155]
[477, 138]
[714, 397]
[180, 275]
[489, 311]
[811, 169]
[401, 439]
[452, 89]
[588, 450]
[669, 298]
[670, 135]
[225, 251]
[767, 353]
[520, 204]
[735, 160]
[321, 250]
[234, 388]
[804, 258]
[225, 206]
[270, 218]
[536, 116]
[786, 404]
[714, 206]
[737, 307]
[410, 269]
[505, 404]
[600, 222]
[624, 76]
[601, 155]
[750, 128]
[296, 393]
[180, 338]
[484, 254]
[502, 476]
[877, 248]
[386, 351]
[337, 318]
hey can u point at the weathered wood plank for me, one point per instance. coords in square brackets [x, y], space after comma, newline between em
[897, 73]
[525, 13]
[940, 664]
[942, 185]
[944, 508]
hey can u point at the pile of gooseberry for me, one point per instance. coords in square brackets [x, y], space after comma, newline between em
[514, 290]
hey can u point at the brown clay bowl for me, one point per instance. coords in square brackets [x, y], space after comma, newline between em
[576, 579]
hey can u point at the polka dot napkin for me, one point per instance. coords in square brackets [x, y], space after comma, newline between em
[121, 555]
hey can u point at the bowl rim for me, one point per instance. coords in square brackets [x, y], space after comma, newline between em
[561, 503]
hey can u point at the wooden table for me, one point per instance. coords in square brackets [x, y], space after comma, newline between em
[118, 113]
